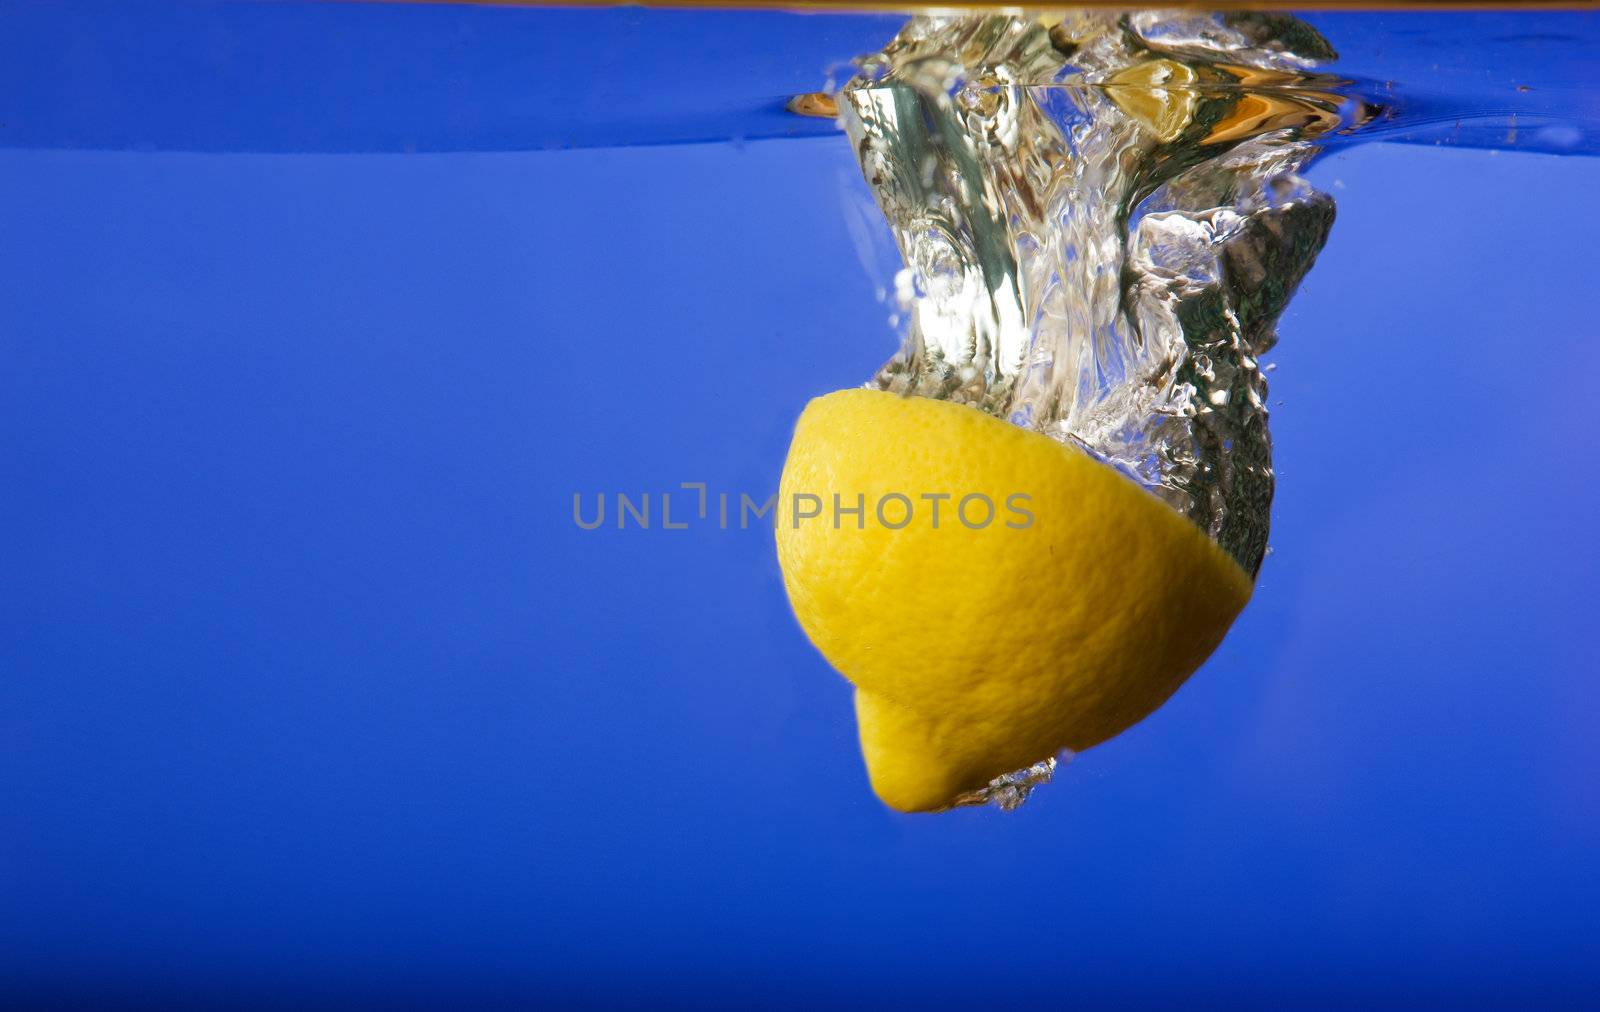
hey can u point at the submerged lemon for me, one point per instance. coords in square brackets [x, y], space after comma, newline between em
[995, 596]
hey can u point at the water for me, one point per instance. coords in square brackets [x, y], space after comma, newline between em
[1010, 791]
[1102, 218]
[1102, 215]
[311, 692]
[103, 75]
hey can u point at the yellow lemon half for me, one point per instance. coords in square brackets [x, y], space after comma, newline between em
[995, 596]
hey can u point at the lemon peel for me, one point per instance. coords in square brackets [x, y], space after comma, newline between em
[1075, 611]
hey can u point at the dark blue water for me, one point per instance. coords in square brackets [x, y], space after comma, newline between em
[303, 76]
[311, 690]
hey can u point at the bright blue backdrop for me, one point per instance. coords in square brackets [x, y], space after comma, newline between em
[311, 689]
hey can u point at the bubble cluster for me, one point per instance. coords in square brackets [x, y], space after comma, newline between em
[1101, 219]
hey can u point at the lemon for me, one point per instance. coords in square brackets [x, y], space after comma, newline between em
[994, 596]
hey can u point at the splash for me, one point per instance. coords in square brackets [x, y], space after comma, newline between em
[1009, 791]
[1101, 220]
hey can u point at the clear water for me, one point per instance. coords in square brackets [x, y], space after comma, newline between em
[101, 75]
[1101, 218]
[312, 694]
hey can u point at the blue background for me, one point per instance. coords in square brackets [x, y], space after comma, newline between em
[311, 690]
